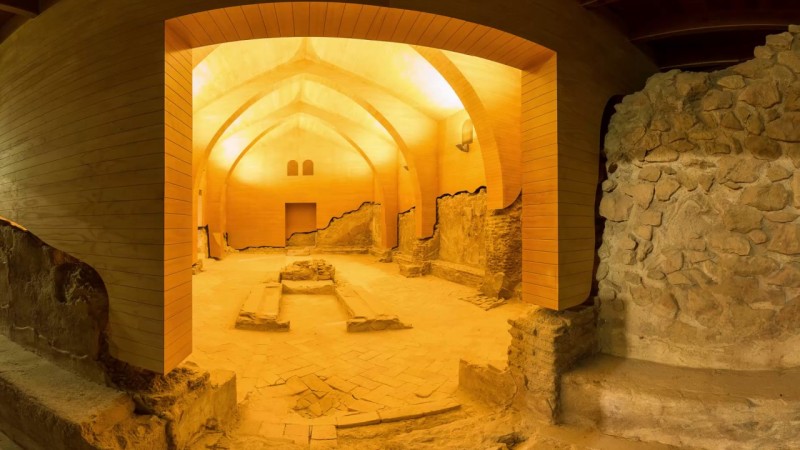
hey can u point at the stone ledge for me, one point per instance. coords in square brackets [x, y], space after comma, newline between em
[458, 273]
[45, 406]
[339, 250]
[680, 406]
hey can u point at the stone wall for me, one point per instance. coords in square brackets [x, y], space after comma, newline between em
[353, 229]
[470, 245]
[406, 235]
[461, 219]
[377, 215]
[700, 261]
[51, 303]
[504, 251]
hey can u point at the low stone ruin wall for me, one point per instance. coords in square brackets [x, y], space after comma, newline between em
[460, 224]
[700, 262]
[406, 234]
[57, 306]
[353, 230]
[51, 303]
[470, 245]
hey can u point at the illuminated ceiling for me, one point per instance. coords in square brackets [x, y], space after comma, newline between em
[256, 90]
[387, 102]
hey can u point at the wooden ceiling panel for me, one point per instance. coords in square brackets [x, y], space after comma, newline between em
[697, 34]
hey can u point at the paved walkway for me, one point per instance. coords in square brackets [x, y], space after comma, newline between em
[318, 371]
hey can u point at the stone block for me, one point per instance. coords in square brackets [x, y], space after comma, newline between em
[411, 270]
[323, 432]
[487, 383]
[212, 406]
[309, 287]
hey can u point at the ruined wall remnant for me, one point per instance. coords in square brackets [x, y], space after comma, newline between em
[700, 262]
[503, 251]
[352, 229]
[406, 234]
[51, 303]
[471, 244]
[544, 345]
[460, 224]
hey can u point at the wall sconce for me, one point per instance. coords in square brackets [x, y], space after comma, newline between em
[466, 136]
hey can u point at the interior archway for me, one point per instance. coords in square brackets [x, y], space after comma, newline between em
[187, 32]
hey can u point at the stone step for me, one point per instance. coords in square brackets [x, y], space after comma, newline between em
[457, 273]
[261, 309]
[685, 407]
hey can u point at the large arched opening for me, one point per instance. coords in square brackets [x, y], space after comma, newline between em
[512, 116]
[409, 116]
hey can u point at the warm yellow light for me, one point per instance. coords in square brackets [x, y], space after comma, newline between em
[430, 82]
[232, 147]
[201, 76]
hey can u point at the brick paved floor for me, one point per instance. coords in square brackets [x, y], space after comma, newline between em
[317, 370]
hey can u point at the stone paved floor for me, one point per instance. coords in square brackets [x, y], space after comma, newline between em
[318, 370]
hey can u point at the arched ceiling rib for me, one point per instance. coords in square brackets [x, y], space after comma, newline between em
[400, 72]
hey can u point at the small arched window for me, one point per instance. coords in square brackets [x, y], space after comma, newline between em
[308, 167]
[291, 168]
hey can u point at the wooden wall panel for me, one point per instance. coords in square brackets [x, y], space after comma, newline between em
[540, 187]
[87, 78]
[178, 232]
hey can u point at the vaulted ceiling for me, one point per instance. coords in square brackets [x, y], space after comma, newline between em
[354, 90]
